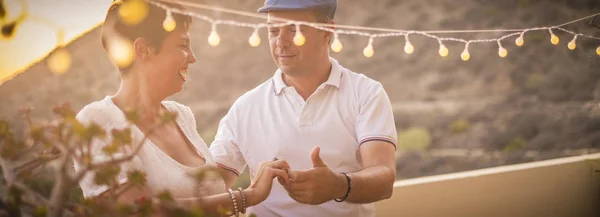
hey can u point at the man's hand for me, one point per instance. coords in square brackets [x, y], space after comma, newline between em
[317, 185]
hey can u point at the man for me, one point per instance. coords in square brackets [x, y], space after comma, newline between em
[334, 127]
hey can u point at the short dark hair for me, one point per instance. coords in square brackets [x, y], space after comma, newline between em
[321, 17]
[150, 28]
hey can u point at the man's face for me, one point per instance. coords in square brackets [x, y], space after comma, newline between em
[291, 59]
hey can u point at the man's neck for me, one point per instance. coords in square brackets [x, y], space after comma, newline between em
[306, 85]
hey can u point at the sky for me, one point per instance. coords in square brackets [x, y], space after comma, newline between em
[33, 40]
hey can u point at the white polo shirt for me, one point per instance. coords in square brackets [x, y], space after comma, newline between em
[273, 120]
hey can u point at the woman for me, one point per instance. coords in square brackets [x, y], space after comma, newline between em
[172, 151]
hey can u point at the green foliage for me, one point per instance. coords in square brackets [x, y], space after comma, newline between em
[40, 211]
[61, 141]
[515, 144]
[459, 126]
[137, 178]
[414, 139]
[106, 175]
[534, 80]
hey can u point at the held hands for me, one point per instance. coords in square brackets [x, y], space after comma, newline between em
[262, 183]
[316, 185]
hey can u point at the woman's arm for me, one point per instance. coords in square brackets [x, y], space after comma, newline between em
[257, 192]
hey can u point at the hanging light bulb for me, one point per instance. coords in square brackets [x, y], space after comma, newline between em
[443, 51]
[9, 30]
[59, 61]
[520, 41]
[214, 39]
[169, 24]
[368, 51]
[299, 39]
[254, 39]
[465, 54]
[598, 50]
[408, 47]
[572, 44]
[133, 12]
[336, 45]
[553, 38]
[120, 51]
[502, 52]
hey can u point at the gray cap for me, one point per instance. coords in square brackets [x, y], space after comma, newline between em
[327, 7]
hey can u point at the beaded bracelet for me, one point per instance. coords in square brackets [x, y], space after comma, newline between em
[235, 208]
[348, 191]
[243, 200]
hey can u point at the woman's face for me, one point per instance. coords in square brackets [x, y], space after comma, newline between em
[167, 67]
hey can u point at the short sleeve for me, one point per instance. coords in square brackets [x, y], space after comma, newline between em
[225, 149]
[375, 120]
[88, 115]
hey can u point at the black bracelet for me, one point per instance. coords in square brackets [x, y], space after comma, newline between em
[348, 191]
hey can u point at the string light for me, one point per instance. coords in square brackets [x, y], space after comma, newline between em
[369, 51]
[59, 61]
[133, 12]
[502, 52]
[520, 41]
[553, 38]
[254, 39]
[214, 39]
[336, 45]
[443, 51]
[465, 56]
[299, 39]
[120, 50]
[360, 30]
[169, 24]
[2, 11]
[598, 50]
[408, 47]
[572, 45]
[9, 28]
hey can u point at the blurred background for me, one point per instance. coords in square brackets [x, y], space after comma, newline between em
[540, 102]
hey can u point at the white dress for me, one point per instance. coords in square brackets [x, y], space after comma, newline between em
[162, 171]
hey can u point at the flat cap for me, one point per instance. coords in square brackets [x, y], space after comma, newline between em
[327, 7]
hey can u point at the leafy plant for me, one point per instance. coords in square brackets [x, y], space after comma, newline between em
[57, 143]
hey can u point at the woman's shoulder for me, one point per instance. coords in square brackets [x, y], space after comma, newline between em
[101, 112]
[181, 109]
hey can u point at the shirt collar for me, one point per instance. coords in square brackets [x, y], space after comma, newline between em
[335, 76]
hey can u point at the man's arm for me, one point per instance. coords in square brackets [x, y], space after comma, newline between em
[373, 183]
[228, 176]
[376, 180]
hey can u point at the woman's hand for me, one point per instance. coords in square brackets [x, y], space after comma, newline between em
[261, 185]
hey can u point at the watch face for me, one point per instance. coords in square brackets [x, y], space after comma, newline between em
[596, 21]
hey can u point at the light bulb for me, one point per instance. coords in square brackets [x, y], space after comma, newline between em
[408, 48]
[502, 52]
[214, 39]
[443, 50]
[169, 24]
[553, 38]
[254, 39]
[133, 12]
[519, 41]
[465, 55]
[299, 39]
[572, 44]
[336, 45]
[121, 52]
[368, 51]
[598, 50]
[59, 61]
